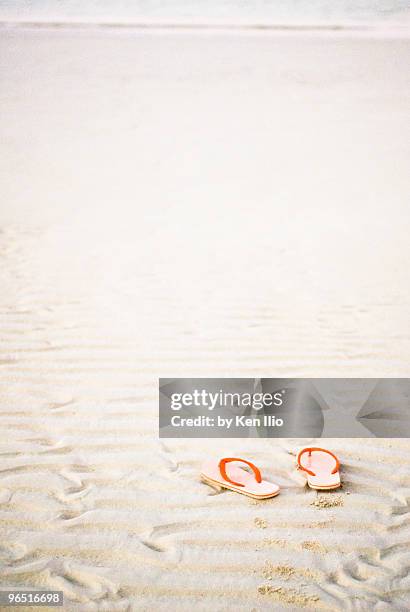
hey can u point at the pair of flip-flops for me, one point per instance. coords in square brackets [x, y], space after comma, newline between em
[321, 467]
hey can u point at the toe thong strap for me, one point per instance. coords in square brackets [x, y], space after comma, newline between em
[222, 469]
[323, 450]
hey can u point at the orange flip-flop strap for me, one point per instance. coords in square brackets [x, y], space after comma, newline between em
[324, 450]
[225, 476]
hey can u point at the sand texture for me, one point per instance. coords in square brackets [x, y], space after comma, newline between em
[198, 205]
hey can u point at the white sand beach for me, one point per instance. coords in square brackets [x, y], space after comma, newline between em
[198, 204]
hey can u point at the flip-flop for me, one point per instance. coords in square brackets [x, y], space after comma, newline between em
[214, 473]
[321, 467]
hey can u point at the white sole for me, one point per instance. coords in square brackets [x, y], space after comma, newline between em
[218, 485]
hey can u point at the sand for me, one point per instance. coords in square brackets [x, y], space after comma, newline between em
[179, 204]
